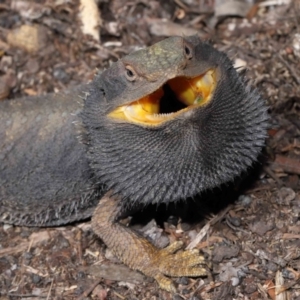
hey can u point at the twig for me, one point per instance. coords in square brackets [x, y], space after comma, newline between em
[23, 295]
[205, 229]
[49, 293]
[262, 291]
[88, 291]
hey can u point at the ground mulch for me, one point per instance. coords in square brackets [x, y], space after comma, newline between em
[249, 231]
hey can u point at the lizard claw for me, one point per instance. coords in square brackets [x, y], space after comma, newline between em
[175, 264]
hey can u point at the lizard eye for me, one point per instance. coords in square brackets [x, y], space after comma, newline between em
[130, 73]
[188, 51]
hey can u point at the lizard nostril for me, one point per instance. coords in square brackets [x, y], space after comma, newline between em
[188, 52]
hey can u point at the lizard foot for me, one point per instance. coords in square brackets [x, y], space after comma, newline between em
[139, 254]
[175, 264]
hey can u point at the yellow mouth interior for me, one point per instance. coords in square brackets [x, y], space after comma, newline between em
[176, 96]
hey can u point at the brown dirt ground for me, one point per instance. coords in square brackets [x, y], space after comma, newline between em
[252, 232]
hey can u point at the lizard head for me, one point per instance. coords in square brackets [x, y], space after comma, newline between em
[161, 89]
[169, 121]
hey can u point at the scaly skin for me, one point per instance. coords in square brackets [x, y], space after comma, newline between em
[49, 176]
[138, 253]
[45, 177]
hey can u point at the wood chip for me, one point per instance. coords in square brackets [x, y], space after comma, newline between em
[30, 38]
[287, 164]
[4, 89]
[163, 27]
[270, 288]
[116, 272]
[34, 239]
[89, 15]
[279, 282]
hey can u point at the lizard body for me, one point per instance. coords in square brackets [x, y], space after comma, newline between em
[160, 125]
[45, 177]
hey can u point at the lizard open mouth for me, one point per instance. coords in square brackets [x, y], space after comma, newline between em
[176, 96]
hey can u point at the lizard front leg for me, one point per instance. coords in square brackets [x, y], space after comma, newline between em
[138, 253]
